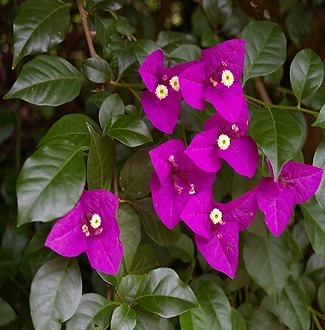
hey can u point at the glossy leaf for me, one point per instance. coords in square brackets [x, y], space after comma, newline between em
[319, 161]
[183, 248]
[130, 234]
[50, 182]
[101, 161]
[113, 279]
[136, 174]
[315, 268]
[123, 318]
[163, 293]
[112, 105]
[147, 320]
[185, 53]
[47, 80]
[314, 217]
[277, 133]
[123, 27]
[268, 262]
[55, 293]
[7, 314]
[71, 127]
[320, 121]
[306, 73]
[96, 70]
[129, 287]
[194, 319]
[108, 5]
[265, 49]
[130, 131]
[144, 260]
[38, 26]
[142, 48]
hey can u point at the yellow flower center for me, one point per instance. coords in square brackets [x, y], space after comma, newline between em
[223, 141]
[227, 78]
[216, 216]
[95, 221]
[161, 92]
[174, 83]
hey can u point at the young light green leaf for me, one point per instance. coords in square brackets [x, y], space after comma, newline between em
[55, 293]
[123, 318]
[112, 105]
[47, 80]
[101, 161]
[306, 73]
[267, 261]
[277, 133]
[96, 70]
[265, 48]
[7, 314]
[320, 121]
[319, 161]
[50, 182]
[38, 26]
[163, 293]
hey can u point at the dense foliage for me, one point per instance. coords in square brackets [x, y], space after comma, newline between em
[162, 165]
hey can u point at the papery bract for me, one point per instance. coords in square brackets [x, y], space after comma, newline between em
[176, 180]
[222, 139]
[296, 184]
[216, 227]
[216, 78]
[162, 101]
[91, 227]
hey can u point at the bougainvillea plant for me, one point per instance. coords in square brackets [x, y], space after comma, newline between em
[169, 166]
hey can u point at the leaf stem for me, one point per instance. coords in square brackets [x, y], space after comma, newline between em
[317, 313]
[86, 29]
[255, 101]
[190, 271]
[318, 325]
[126, 85]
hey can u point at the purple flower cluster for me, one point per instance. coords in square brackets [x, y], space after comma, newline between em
[181, 185]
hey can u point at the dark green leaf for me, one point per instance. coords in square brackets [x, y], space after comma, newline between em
[163, 293]
[130, 131]
[132, 110]
[144, 260]
[108, 5]
[319, 161]
[182, 249]
[96, 70]
[277, 133]
[98, 98]
[105, 27]
[147, 320]
[314, 217]
[50, 182]
[129, 287]
[237, 320]
[71, 127]
[265, 48]
[38, 26]
[217, 12]
[103, 317]
[14, 241]
[123, 27]
[142, 48]
[7, 314]
[101, 161]
[171, 39]
[123, 318]
[321, 296]
[264, 320]
[136, 174]
[113, 279]
[55, 293]
[267, 261]
[112, 105]
[185, 53]
[47, 80]
[194, 319]
[306, 73]
[6, 124]
[130, 236]
[153, 225]
[320, 121]
[315, 268]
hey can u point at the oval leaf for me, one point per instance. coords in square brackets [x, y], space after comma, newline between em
[123, 318]
[55, 293]
[50, 182]
[112, 105]
[38, 26]
[265, 49]
[47, 80]
[163, 293]
[96, 70]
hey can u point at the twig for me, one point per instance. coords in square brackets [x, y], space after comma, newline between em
[262, 90]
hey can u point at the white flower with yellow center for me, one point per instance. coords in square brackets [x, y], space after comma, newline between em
[95, 221]
[223, 141]
[161, 92]
[174, 83]
[227, 78]
[216, 216]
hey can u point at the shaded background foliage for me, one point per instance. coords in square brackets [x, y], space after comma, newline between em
[203, 23]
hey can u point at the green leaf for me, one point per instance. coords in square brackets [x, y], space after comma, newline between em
[315, 268]
[156, 230]
[130, 236]
[7, 124]
[267, 261]
[182, 249]
[142, 48]
[292, 306]
[265, 48]
[123, 27]
[123, 318]
[147, 320]
[71, 127]
[163, 293]
[105, 27]
[14, 241]
[47, 80]
[321, 296]
[7, 314]
[108, 5]
[144, 260]
[185, 53]
[50, 182]
[101, 161]
[277, 133]
[194, 319]
[103, 317]
[55, 293]
[91, 304]
[112, 105]
[96, 70]
[319, 161]
[136, 174]
[314, 217]
[264, 320]
[306, 73]
[98, 98]
[130, 131]
[237, 320]
[129, 287]
[38, 26]
[213, 302]
[320, 121]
